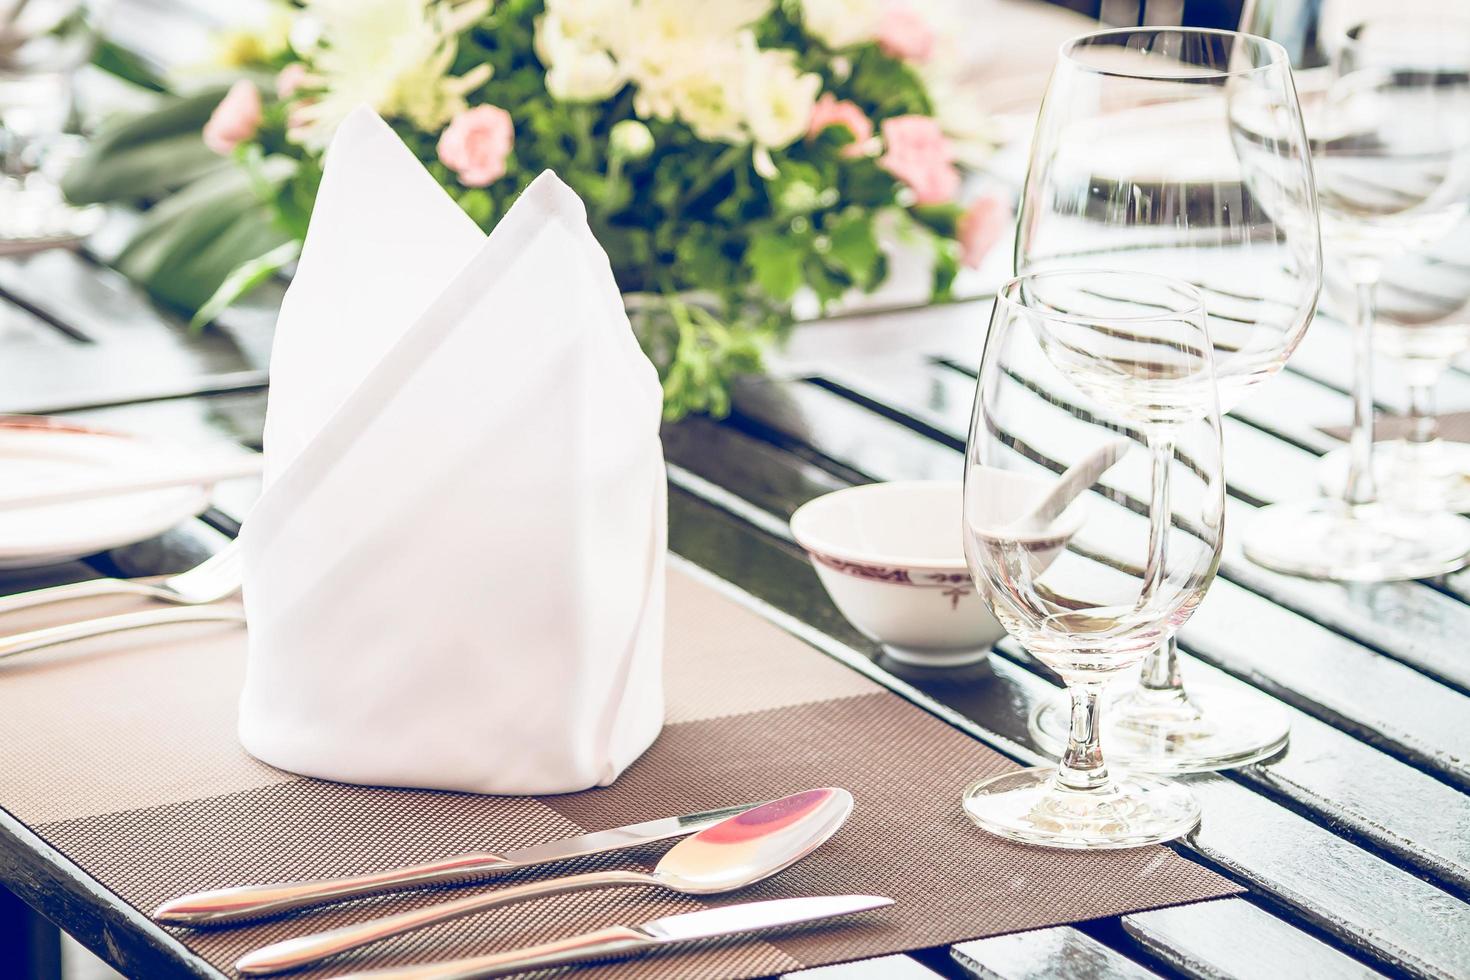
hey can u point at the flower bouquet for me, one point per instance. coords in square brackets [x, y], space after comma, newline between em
[731, 153]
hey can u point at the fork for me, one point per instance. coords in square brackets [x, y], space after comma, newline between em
[53, 635]
[212, 580]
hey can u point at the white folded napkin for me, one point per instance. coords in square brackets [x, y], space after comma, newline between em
[455, 576]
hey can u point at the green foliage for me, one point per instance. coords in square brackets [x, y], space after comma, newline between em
[189, 244]
[147, 155]
[119, 61]
[714, 241]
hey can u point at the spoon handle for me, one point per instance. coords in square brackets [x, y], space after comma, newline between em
[222, 906]
[292, 953]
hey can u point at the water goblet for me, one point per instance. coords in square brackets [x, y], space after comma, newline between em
[1074, 362]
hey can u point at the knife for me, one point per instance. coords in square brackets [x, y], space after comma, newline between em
[223, 906]
[622, 941]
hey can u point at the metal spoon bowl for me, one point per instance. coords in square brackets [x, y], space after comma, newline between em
[734, 853]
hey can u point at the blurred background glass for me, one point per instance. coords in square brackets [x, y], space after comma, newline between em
[1387, 104]
[42, 44]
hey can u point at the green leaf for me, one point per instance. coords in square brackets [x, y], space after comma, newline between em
[126, 65]
[146, 155]
[479, 205]
[946, 267]
[854, 246]
[775, 262]
[187, 246]
[243, 278]
[942, 219]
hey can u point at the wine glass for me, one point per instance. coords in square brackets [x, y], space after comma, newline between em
[1081, 366]
[1181, 152]
[1390, 134]
[42, 43]
[1423, 314]
[1423, 324]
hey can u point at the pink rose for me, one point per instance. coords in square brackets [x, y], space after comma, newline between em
[829, 112]
[234, 120]
[903, 34]
[290, 80]
[475, 144]
[980, 227]
[917, 153]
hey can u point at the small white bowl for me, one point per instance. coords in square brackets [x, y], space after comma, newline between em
[891, 556]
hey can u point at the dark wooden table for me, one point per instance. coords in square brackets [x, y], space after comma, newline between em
[1355, 843]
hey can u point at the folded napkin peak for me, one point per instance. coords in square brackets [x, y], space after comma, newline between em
[456, 579]
[384, 241]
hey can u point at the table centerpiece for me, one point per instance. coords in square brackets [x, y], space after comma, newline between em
[732, 153]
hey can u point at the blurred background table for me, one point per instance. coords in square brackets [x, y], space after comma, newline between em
[1355, 843]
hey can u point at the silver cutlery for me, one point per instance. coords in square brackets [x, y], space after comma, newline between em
[51, 636]
[210, 581]
[225, 905]
[617, 942]
[736, 852]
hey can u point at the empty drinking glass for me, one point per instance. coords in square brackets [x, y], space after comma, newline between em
[1182, 152]
[1389, 125]
[1081, 366]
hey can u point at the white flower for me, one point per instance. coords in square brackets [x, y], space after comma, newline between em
[630, 139]
[589, 20]
[392, 54]
[705, 92]
[778, 98]
[841, 23]
[577, 68]
[680, 53]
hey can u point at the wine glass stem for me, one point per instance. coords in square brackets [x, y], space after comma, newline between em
[1161, 445]
[1423, 414]
[1360, 487]
[1161, 666]
[1161, 670]
[1082, 765]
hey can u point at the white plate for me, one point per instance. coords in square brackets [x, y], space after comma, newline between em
[36, 452]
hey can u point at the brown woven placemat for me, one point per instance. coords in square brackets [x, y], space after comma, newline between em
[120, 753]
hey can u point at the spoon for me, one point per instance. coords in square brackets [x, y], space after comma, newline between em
[1075, 479]
[732, 854]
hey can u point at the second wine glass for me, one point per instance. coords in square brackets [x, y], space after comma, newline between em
[1182, 152]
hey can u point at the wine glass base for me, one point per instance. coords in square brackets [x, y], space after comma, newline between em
[1329, 539]
[1216, 727]
[1031, 807]
[1432, 476]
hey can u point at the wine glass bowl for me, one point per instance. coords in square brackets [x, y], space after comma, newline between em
[1074, 362]
[1182, 152]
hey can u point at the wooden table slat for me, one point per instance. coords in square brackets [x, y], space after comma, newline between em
[1233, 938]
[1060, 953]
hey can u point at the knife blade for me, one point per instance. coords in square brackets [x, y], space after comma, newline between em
[623, 941]
[224, 906]
[752, 916]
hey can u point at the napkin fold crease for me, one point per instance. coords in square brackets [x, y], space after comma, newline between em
[454, 577]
